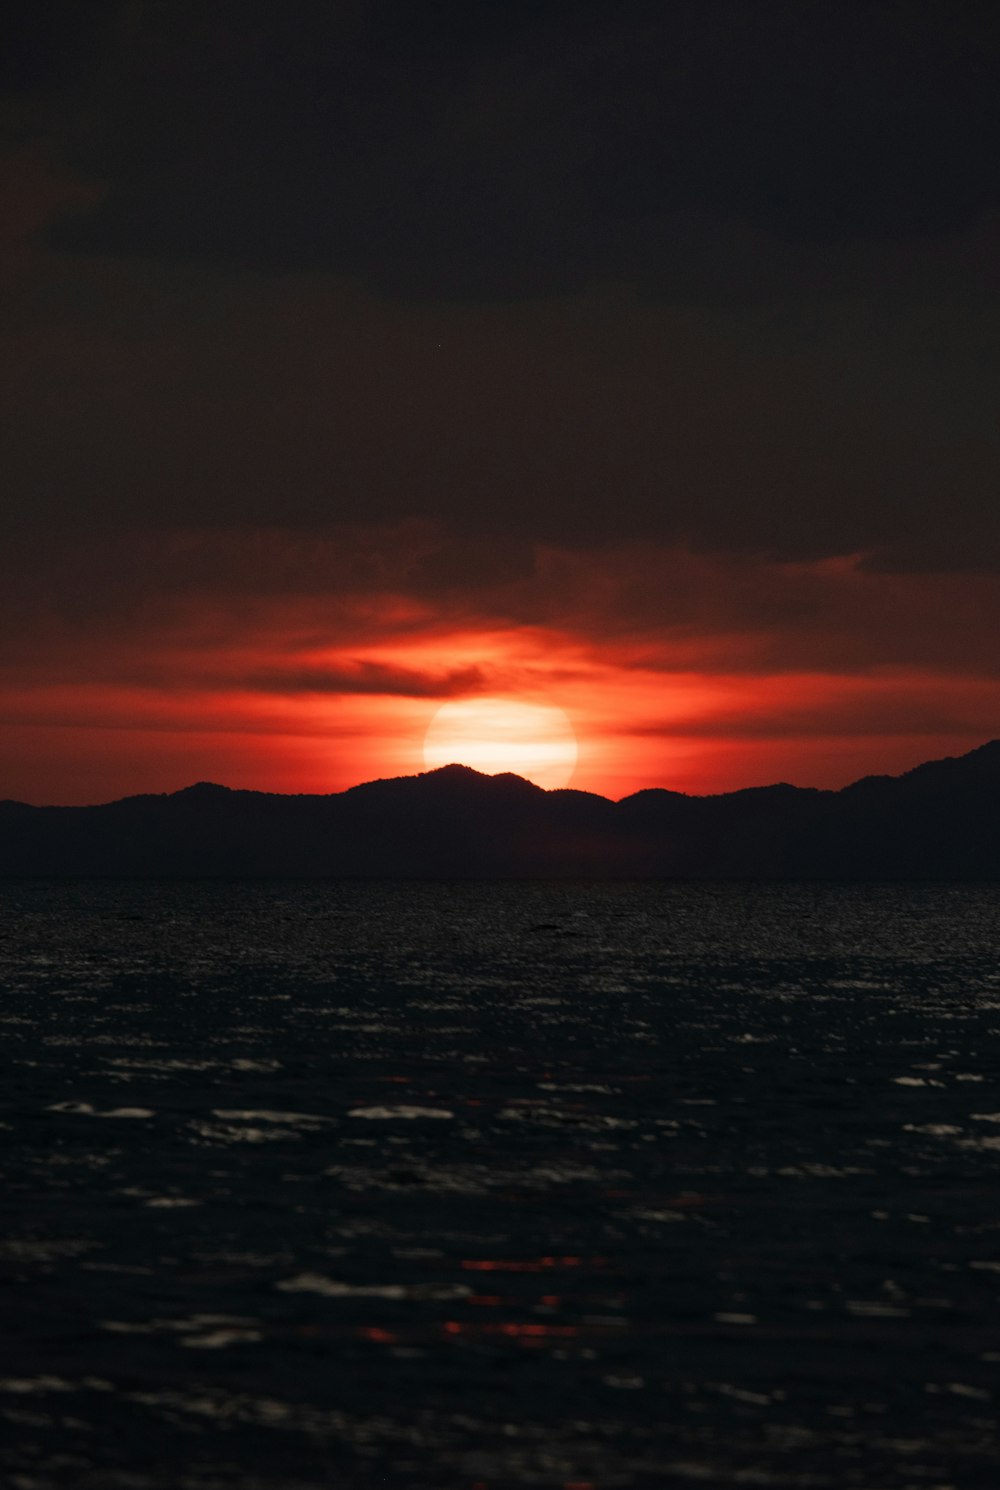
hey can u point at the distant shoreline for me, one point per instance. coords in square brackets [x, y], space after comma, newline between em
[940, 821]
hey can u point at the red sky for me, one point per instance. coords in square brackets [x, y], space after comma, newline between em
[637, 360]
[700, 673]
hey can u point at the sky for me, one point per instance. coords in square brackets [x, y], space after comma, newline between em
[629, 360]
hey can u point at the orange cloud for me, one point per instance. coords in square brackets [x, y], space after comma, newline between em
[697, 672]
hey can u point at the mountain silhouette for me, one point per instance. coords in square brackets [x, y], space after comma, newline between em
[939, 821]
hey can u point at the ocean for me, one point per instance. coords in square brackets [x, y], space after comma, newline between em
[345, 1185]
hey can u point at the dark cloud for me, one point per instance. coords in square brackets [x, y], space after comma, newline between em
[703, 272]
[362, 678]
[142, 397]
[470, 149]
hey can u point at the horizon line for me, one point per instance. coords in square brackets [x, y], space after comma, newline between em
[454, 767]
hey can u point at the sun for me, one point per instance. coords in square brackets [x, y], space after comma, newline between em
[504, 734]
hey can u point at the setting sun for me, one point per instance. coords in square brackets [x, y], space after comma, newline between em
[498, 734]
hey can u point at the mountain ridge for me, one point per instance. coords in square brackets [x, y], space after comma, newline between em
[939, 820]
[989, 750]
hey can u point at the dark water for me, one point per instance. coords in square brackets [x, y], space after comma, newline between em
[432, 1187]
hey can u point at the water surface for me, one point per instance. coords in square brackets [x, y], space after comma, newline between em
[467, 1187]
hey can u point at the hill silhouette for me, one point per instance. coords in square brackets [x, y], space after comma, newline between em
[939, 821]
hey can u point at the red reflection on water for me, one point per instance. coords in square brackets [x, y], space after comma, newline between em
[485, 1298]
[537, 1331]
[515, 1330]
[528, 1265]
[379, 1337]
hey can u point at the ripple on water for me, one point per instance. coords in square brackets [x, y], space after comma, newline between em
[696, 1196]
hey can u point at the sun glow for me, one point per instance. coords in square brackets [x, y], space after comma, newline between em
[500, 734]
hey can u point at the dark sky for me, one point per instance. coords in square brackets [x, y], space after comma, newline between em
[645, 323]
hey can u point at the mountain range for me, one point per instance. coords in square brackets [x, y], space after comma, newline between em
[938, 821]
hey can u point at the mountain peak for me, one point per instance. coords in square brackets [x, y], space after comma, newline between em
[940, 821]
